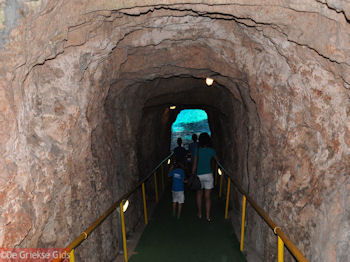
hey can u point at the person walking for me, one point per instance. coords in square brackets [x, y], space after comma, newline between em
[180, 152]
[202, 166]
[178, 179]
[192, 147]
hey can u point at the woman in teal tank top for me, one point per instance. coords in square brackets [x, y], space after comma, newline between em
[202, 166]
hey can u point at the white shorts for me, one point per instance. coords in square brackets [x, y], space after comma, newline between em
[207, 180]
[178, 197]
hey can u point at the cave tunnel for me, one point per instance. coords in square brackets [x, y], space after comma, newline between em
[85, 90]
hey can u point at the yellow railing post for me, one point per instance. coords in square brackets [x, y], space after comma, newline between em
[227, 196]
[280, 248]
[144, 203]
[244, 204]
[122, 222]
[156, 186]
[71, 256]
[220, 189]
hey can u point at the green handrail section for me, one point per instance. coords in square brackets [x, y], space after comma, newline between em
[276, 229]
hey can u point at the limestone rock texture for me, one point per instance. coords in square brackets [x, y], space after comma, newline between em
[84, 93]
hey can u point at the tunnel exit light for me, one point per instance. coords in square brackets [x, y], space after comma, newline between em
[172, 107]
[209, 81]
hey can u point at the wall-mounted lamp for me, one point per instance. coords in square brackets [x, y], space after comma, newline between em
[172, 107]
[119, 225]
[209, 81]
[126, 205]
[169, 161]
[219, 172]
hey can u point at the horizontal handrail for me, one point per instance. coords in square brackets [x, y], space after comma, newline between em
[78, 240]
[276, 229]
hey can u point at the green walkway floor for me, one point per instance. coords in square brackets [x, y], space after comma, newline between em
[168, 239]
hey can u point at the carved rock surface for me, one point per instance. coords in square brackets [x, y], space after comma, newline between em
[84, 93]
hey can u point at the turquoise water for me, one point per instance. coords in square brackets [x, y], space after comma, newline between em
[188, 122]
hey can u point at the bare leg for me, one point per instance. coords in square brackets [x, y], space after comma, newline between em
[207, 203]
[174, 208]
[199, 202]
[179, 210]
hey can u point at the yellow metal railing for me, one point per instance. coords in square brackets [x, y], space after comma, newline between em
[282, 239]
[220, 175]
[119, 204]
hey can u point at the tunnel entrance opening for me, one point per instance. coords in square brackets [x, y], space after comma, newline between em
[187, 123]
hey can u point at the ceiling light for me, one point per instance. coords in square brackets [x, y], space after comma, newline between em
[172, 107]
[209, 81]
[219, 172]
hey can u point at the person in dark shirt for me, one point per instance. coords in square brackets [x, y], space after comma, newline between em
[180, 152]
[193, 147]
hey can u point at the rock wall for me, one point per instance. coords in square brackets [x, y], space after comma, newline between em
[76, 79]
